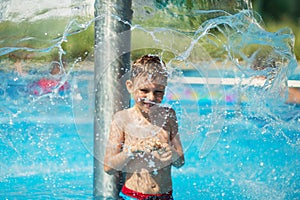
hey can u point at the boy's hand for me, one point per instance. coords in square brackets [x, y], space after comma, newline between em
[153, 144]
[164, 154]
[138, 147]
[146, 146]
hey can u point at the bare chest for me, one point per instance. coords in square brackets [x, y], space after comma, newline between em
[144, 130]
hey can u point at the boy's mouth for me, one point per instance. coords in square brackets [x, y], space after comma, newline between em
[147, 102]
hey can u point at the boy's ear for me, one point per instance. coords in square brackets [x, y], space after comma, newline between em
[129, 86]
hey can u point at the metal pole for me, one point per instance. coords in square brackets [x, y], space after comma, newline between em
[112, 61]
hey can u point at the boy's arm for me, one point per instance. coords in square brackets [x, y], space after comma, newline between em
[176, 146]
[115, 159]
[177, 152]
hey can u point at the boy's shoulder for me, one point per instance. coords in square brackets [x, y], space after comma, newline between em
[120, 118]
[169, 110]
[122, 115]
[123, 112]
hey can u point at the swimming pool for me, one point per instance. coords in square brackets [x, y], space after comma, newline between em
[47, 144]
[239, 143]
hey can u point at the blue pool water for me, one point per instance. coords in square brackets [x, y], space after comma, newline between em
[240, 141]
[46, 145]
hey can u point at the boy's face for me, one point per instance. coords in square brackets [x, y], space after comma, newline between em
[146, 92]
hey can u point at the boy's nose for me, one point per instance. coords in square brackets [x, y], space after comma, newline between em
[151, 96]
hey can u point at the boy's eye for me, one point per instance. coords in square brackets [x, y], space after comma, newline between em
[144, 90]
[158, 92]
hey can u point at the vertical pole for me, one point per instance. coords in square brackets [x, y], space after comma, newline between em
[112, 61]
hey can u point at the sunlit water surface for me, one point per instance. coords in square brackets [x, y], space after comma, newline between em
[46, 146]
[240, 141]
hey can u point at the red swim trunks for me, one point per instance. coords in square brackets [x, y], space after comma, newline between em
[140, 196]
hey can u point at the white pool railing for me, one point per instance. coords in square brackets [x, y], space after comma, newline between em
[230, 81]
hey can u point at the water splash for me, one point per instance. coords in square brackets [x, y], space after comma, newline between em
[222, 47]
[238, 40]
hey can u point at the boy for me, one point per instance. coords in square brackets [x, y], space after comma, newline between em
[143, 140]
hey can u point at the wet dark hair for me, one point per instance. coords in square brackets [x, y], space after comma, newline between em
[149, 66]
